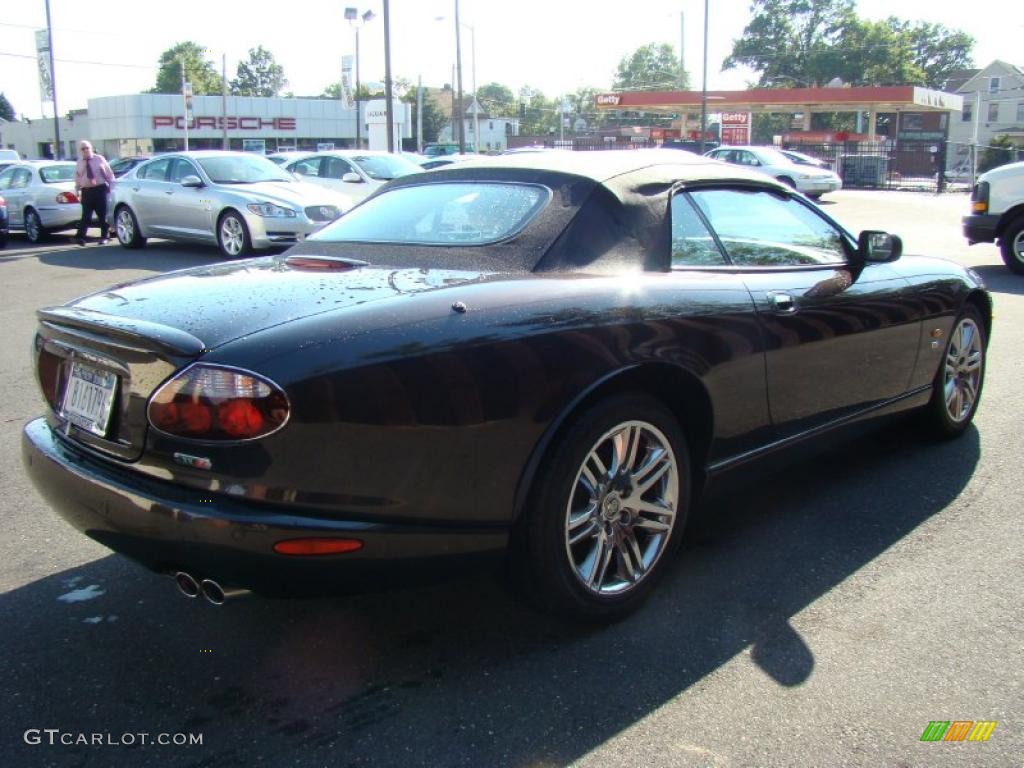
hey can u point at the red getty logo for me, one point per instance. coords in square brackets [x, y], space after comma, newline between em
[233, 123]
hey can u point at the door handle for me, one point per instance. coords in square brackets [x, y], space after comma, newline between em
[168, 191]
[782, 303]
[135, 189]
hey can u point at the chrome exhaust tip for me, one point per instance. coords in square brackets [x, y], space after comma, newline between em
[219, 595]
[187, 584]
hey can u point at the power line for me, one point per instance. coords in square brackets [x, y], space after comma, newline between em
[82, 61]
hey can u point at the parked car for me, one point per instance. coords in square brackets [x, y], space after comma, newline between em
[430, 163]
[237, 201]
[9, 156]
[3, 223]
[997, 213]
[40, 197]
[689, 145]
[544, 356]
[123, 165]
[813, 182]
[354, 174]
[282, 158]
[801, 159]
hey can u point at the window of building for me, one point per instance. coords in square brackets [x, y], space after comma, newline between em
[1020, 111]
[993, 85]
[993, 112]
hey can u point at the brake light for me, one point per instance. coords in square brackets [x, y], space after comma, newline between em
[315, 547]
[206, 402]
[67, 197]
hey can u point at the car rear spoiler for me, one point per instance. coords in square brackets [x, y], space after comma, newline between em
[140, 333]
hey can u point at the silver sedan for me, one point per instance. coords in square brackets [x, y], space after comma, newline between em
[40, 197]
[236, 200]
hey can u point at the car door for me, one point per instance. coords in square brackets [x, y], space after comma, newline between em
[150, 191]
[718, 328]
[839, 337]
[189, 209]
[14, 215]
[335, 169]
[18, 194]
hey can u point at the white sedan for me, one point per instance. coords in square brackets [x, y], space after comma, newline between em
[40, 197]
[354, 174]
[813, 182]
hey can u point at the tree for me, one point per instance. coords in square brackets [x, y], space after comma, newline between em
[791, 42]
[650, 67]
[433, 119]
[1000, 151]
[261, 75]
[498, 100]
[198, 71]
[811, 42]
[6, 110]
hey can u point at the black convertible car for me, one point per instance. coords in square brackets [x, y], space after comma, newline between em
[550, 356]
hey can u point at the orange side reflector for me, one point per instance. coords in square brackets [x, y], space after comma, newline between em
[979, 206]
[313, 547]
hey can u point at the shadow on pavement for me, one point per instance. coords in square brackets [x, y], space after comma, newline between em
[1000, 279]
[159, 257]
[457, 673]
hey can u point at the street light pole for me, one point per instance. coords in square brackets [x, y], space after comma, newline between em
[704, 85]
[458, 70]
[58, 150]
[389, 109]
[356, 21]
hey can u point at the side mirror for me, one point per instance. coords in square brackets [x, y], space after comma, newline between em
[876, 246]
[352, 178]
[191, 181]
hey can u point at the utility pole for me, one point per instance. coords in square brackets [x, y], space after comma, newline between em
[682, 56]
[458, 70]
[704, 86]
[419, 114]
[224, 99]
[389, 110]
[58, 150]
[186, 93]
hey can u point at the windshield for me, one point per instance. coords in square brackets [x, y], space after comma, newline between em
[231, 169]
[53, 174]
[462, 213]
[385, 167]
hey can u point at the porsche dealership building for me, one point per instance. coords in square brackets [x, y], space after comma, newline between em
[119, 126]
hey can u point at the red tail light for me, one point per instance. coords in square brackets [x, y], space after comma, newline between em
[206, 402]
[67, 197]
[316, 547]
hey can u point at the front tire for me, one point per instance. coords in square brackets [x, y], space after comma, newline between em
[127, 228]
[233, 236]
[956, 390]
[34, 230]
[1012, 245]
[608, 510]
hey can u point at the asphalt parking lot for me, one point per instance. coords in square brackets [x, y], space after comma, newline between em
[822, 617]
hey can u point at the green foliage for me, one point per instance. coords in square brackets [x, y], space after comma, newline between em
[767, 125]
[801, 43]
[198, 71]
[6, 110]
[498, 100]
[260, 75]
[650, 67]
[433, 119]
[999, 151]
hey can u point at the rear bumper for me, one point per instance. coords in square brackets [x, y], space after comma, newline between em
[60, 216]
[980, 228]
[167, 527]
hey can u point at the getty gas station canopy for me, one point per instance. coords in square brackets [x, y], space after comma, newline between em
[871, 99]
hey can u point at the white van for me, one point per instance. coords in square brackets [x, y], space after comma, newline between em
[997, 212]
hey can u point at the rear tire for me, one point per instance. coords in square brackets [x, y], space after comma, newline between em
[956, 390]
[607, 512]
[1011, 243]
[126, 226]
[34, 230]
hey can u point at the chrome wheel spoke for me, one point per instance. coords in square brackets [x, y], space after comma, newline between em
[597, 563]
[625, 444]
[656, 467]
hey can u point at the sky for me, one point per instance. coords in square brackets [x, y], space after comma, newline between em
[110, 47]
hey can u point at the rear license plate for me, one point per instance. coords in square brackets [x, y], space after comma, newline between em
[89, 398]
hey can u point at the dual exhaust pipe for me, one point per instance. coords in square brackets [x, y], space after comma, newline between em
[215, 593]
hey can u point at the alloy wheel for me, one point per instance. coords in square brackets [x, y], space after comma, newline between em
[622, 508]
[33, 229]
[964, 357]
[125, 226]
[232, 235]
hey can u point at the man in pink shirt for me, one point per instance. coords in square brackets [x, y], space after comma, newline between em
[93, 178]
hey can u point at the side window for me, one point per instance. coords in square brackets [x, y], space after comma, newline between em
[308, 167]
[22, 177]
[5, 178]
[156, 170]
[746, 158]
[182, 168]
[761, 229]
[692, 243]
[336, 167]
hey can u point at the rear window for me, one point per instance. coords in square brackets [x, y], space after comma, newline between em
[456, 213]
[53, 174]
